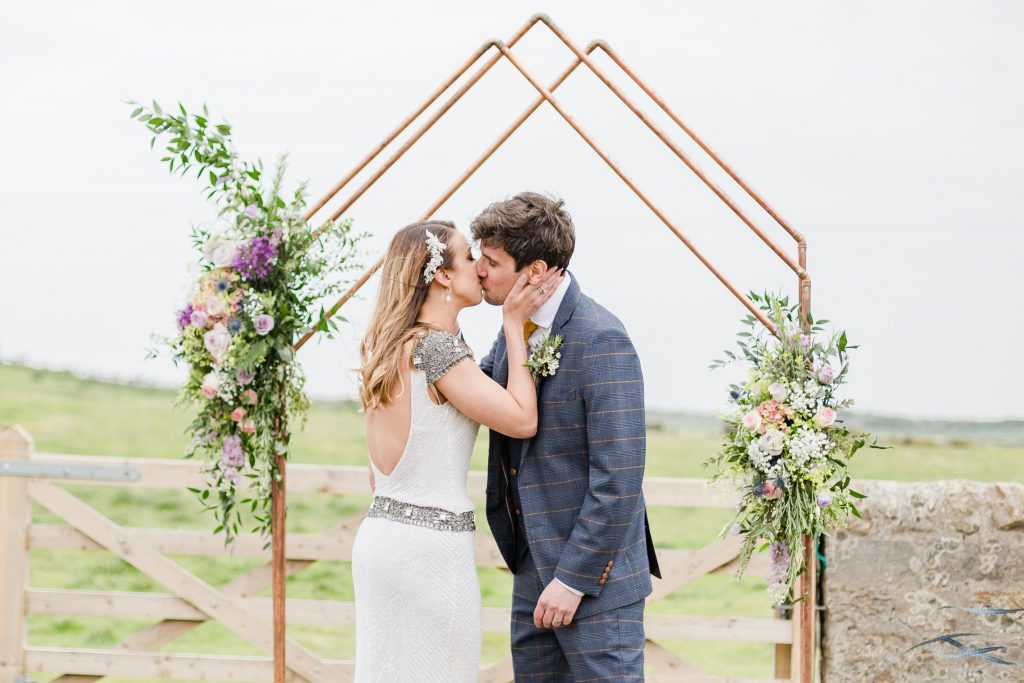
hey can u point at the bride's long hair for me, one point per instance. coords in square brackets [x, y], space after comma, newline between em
[393, 323]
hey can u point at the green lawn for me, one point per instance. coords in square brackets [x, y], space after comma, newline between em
[66, 414]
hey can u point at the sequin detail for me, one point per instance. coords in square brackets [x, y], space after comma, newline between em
[431, 518]
[437, 352]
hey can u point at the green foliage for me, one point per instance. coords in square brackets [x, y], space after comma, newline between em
[264, 272]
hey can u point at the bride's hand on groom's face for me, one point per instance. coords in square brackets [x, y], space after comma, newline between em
[524, 299]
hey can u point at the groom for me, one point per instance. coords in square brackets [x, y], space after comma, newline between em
[566, 506]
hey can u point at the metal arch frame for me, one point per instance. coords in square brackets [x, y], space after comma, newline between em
[804, 630]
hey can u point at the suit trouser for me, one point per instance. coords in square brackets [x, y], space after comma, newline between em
[605, 646]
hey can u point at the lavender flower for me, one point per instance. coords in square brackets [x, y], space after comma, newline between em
[778, 574]
[185, 317]
[255, 258]
[252, 211]
[232, 455]
[824, 499]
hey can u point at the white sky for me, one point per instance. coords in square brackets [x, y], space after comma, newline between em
[887, 132]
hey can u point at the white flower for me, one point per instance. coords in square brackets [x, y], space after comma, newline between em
[221, 253]
[771, 442]
[762, 461]
[807, 445]
[217, 341]
[778, 391]
[752, 420]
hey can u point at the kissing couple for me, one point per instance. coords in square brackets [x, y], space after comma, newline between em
[562, 393]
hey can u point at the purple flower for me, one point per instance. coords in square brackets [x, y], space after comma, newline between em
[824, 499]
[185, 317]
[245, 377]
[231, 453]
[264, 324]
[275, 237]
[778, 574]
[252, 211]
[255, 258]
[826, 374]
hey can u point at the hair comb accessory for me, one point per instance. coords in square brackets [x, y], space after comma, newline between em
[436, 248]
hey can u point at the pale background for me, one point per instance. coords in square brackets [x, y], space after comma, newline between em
[887, 132]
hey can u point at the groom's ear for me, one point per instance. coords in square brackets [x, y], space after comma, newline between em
[536, 271]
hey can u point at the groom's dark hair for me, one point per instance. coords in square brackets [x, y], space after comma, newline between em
[528, 227]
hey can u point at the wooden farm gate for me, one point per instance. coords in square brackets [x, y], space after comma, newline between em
[29, 476]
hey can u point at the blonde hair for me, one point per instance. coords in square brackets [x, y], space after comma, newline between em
[393, 323]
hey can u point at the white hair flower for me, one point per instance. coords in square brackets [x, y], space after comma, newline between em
[436, 248]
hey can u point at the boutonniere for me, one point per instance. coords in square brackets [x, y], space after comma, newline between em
[543, 362]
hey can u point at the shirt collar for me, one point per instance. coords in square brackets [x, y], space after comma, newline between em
[545, 315]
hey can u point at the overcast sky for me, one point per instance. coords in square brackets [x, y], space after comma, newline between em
[887, 132]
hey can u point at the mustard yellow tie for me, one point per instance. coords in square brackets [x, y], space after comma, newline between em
[528, 327]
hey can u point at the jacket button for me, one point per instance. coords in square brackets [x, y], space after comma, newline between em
[512, 471]
[601, 581]
[518, 512]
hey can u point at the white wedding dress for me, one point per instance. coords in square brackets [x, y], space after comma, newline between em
[417, 595]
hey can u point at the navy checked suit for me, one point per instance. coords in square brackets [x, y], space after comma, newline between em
[567, 503]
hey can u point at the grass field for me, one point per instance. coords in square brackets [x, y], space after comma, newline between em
[66, 414]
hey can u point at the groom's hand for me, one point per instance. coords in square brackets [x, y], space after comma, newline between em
[556, 607]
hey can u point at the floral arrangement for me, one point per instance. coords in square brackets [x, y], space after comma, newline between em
[262, 271]
[544, 360]
[785, 446]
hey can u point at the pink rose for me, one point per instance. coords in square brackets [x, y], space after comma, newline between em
[771, 491]
[238, 414]
[249, 396]
[825, 374]
[211, 384]
[263, 324]
[199, 318]
[247, 426]
[752, 420]
[245, 377]
[824, 417]
[217, 341]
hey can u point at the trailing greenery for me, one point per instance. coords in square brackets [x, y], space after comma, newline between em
[785, 446]
[263, 271]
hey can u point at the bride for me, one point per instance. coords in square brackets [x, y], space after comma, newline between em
[418, 608]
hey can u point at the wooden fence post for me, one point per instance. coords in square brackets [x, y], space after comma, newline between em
[15, 516]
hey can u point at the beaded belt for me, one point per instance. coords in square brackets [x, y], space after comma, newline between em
[417, 515]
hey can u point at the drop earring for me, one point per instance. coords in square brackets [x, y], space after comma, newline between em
[448, 295]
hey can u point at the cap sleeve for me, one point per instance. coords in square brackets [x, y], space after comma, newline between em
[437, 352]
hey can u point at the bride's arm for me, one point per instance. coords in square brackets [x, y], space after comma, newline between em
[511, 411]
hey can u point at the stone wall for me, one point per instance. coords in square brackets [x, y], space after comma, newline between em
[905, 574]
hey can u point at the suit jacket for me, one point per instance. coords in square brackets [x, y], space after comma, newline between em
[579, 478]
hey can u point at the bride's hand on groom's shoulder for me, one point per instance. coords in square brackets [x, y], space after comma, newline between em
[524, 299]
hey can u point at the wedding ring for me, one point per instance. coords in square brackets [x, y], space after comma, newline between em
[542, 290]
